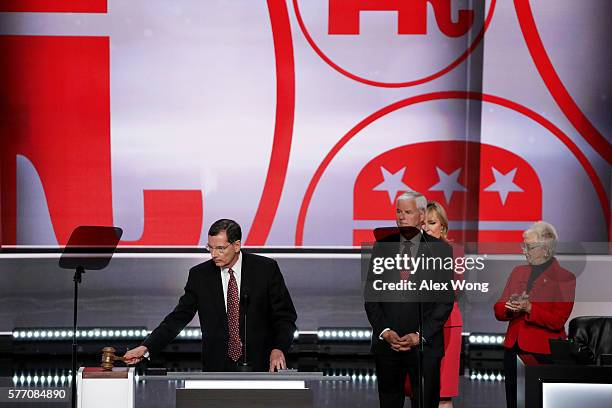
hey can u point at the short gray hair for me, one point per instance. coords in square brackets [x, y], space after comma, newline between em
[545, 233]
[421, 201]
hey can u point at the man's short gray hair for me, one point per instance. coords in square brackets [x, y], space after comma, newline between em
[421, 201]
[545, 233]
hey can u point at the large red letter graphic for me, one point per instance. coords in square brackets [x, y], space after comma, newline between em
[55, 111]
[412, 16]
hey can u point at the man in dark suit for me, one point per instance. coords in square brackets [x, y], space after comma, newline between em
[394, 316]
[223, 290]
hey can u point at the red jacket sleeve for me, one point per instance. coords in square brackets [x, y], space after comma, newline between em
[553, 315]
[501, 313]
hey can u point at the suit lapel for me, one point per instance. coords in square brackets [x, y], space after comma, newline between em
[422, 252]
[540, 285]
[244, 275]
[217, 293]
[245, 287]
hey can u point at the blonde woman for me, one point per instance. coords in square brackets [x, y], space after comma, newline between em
[436, 225]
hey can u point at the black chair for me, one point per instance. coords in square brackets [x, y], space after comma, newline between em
[592, 338]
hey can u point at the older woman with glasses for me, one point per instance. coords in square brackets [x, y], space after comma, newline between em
[537, 301]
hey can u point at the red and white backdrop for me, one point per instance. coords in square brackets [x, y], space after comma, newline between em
[302, 119]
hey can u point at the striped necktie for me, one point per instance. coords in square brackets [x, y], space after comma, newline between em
[406, 250]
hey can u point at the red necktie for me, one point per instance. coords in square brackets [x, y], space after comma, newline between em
[234, 345]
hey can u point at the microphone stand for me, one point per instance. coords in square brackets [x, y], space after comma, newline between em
[79, 271]
[420, 359]
[409, 233]
[421, 348]
[244, 365]
[88, 248]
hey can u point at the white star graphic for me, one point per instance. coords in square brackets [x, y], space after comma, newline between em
[392, 183]
[448, 183]
[503, 184]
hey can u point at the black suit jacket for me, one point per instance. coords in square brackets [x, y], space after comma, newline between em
[402, 316]
[271, 315]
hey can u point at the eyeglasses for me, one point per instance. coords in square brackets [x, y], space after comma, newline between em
[219, 249]
[528, 247]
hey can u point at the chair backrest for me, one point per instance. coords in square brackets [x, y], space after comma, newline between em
[595, 332]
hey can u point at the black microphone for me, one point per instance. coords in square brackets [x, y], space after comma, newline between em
[244, 305]
[244, 299]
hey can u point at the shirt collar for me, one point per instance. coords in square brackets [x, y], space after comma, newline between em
[415, 240]
[237, 268]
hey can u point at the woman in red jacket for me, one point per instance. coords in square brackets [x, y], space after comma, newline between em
[537, 301]
[436, 225]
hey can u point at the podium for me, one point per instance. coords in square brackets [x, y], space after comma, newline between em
[252, 389]
[561, 385]
[97, 388]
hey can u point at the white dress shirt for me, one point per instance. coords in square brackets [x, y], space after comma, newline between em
[225, 276]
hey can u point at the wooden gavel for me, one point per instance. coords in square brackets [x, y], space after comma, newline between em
[109, 357]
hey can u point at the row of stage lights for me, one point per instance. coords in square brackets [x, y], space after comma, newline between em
[364, 334]
[190, 333]
[60, 379]
[486, 339]
[355, 375]
[344, 334]
[365, 375]
[349, 334]
[84, 334]
[56, 379]
[64, 378]
[486, 376]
